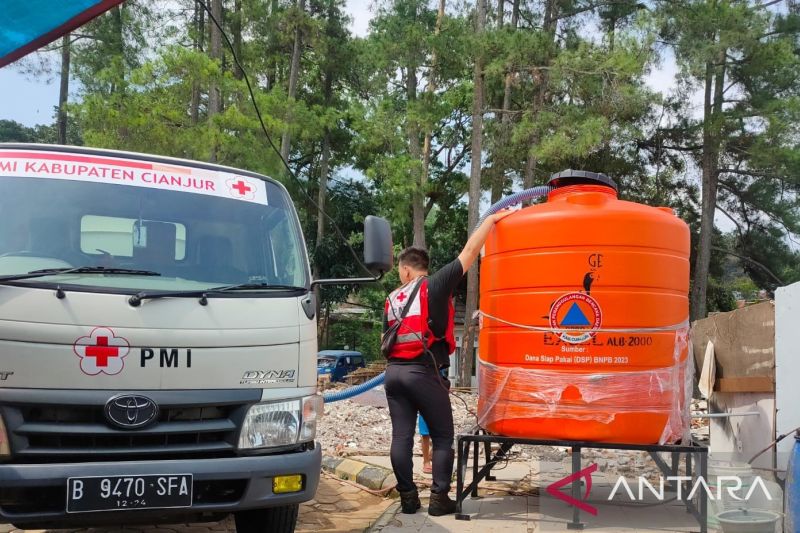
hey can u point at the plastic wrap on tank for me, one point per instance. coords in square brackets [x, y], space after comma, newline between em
[539, 395]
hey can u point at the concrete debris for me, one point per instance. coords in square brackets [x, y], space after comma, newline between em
[361, 426]
[348, 427]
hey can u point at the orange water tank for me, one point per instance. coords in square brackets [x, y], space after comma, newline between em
[584, 326]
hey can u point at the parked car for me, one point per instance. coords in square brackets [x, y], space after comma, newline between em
[338, 363]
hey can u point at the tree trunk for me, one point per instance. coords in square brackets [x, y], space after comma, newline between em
[329, 74]
[415, 151]
[549, 25]
[118, 46]
[294, 74]
[612, 31]
[273, 68]
[324, 169]
[321, 197]
[214, 93]
[236, 28]
[63, 93]
[414, 147]
[426, 144]
[712, 114]
[499, 179]
[199, 33]
[467, 342]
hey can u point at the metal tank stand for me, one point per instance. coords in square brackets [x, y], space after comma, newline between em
[479, 438]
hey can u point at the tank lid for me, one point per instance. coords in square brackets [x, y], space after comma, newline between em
[580, 177]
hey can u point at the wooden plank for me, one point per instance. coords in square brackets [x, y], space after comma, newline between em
[745, 384]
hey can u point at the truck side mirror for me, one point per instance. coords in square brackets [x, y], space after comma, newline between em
[377, 244]
[377, 253]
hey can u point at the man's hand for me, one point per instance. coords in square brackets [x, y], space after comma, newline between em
[500, 215]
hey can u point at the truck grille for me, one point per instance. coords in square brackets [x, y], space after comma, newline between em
[187, 426]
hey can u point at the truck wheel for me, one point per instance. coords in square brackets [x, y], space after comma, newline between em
[273, 520]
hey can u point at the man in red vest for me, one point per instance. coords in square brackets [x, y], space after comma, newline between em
[414, 384]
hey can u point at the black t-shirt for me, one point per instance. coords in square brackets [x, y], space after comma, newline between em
[441, 286]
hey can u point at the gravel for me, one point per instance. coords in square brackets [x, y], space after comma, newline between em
[361, 426]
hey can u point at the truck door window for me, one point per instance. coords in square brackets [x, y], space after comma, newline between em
[285, 258]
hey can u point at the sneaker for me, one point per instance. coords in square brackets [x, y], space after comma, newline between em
[441, 504]
[409, 502]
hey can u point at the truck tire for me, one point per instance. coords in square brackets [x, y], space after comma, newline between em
[273, 520]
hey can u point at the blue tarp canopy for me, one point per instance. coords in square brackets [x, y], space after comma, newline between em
[26, 25]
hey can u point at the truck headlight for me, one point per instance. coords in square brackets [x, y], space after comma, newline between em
[5, 448]
[281, 423]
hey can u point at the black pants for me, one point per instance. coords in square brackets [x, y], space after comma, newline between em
[411, 389]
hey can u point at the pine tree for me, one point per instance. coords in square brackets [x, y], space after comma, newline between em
[744, 58]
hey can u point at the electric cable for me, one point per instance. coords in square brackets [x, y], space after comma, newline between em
[289, 170]
[773, 443]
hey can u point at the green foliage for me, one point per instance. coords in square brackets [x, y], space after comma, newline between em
[565, 88]
[720, 297]
[359, 335]
[11, 131]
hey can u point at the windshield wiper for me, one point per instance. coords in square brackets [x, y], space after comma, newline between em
[136, 299]
[255, 286]
[79, 270]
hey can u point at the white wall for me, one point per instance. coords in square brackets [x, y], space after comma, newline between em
[787, 366]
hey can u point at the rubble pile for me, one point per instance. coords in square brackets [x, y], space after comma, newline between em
[361, 426]
[700, 426]
[358, 426]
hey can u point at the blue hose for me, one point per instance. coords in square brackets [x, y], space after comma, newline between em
[508, 201]
[516, 198]
[346, 394]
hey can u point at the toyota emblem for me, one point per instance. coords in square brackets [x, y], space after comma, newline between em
[131, 411]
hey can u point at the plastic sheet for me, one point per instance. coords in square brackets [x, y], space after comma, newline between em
[612, 404]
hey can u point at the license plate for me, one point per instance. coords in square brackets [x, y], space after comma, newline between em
[124, 493]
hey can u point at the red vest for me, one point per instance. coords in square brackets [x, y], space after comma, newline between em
[416, 326]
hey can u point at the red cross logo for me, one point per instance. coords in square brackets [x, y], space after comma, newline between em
[401, 297]
[101, 352]
[242, 187]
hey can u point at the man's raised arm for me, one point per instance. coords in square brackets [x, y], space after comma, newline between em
[478, 237]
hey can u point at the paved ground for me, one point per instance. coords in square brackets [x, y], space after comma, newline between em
[338, 507]
[513, 503]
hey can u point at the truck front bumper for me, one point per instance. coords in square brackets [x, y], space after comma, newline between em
[36, 493]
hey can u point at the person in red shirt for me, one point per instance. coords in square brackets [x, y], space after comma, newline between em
[424, 343]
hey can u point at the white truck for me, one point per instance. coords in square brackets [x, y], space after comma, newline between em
[157, 342]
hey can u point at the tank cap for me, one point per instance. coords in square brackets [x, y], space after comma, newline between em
[580, 177]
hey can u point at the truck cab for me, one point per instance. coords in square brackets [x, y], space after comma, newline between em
[157, 343]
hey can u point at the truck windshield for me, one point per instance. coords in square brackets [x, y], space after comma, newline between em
[194, 239]
[326, 362]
